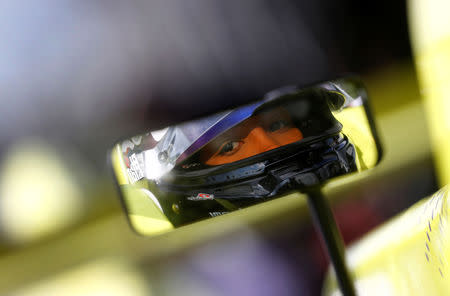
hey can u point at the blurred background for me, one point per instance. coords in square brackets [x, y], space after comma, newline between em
[65, 69]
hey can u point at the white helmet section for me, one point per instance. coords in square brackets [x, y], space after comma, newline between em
[176, 140]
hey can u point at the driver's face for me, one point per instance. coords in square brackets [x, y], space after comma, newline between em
[255, 135]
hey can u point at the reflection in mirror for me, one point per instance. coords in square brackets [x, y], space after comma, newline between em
[292, 139]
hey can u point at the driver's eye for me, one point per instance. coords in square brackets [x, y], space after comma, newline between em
[277, 125]
[230, 147]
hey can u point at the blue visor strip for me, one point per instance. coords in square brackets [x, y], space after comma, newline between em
[230, 120]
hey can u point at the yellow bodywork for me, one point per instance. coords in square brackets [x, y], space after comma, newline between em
[357, 128]
[144, 213]
[406, 256]
[430, 37]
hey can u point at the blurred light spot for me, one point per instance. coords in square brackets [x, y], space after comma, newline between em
[154, 168]
[38, 194]
[104, 277]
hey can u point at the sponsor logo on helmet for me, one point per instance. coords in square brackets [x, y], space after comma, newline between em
[201, 196]
[190, 165]
[136, 171]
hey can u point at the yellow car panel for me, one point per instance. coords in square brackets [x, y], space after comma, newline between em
[406, 256]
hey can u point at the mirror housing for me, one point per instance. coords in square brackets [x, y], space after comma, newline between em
[290, 140]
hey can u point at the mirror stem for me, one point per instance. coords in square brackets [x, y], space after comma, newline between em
[325, 222]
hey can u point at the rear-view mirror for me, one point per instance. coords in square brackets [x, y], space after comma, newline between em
[290, 140]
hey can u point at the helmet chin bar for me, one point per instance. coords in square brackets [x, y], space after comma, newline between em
[294, 167]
